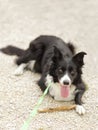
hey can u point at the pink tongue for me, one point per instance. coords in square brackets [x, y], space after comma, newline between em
[64, 91]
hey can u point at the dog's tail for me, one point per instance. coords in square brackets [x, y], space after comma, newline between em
[11, 50]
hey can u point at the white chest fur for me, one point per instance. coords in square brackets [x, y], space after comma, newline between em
[55, 91]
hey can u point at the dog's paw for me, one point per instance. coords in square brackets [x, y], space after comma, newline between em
[80, 109]
[18, 72]
[49, 79]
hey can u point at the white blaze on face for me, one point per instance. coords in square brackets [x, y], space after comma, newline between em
[60, 92]
[65, 78]
[65, 83]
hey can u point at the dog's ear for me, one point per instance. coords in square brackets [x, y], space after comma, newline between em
[78, 59]
[57, 53]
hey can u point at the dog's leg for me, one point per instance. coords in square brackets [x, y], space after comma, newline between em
[28, 56]
[34, 52]
[23, 63]
[26, 61]
[79, 108]
[45, 81]
[42, 82]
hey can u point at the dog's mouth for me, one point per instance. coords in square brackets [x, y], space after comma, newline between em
[65, 90]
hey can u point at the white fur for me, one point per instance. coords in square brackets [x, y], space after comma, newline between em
[80, 109]
[30, 65]
[49, 79]
[55, 90]
[20, 69]
[65, 78]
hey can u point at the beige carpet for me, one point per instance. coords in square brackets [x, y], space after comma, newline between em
[20, 22]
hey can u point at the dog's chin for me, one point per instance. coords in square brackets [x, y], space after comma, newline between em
[65, 90]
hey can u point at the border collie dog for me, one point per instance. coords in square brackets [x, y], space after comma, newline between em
[58, 63]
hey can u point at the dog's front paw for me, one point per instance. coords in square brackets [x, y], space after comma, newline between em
[49, 79]
[80, 109]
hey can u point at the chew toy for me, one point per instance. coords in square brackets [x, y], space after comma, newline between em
[61, 108]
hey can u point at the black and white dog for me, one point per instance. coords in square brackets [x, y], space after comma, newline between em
[57, 63]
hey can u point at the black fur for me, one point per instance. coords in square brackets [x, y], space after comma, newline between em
[11, 50]
[52, 53]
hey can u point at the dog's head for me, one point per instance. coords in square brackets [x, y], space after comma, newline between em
[68, 69]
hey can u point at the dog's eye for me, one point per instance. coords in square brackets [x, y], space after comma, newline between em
[72, 73]
[60, 71]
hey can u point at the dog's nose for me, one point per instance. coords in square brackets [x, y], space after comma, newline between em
[66, 82]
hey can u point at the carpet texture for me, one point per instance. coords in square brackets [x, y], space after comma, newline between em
[22, 21]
